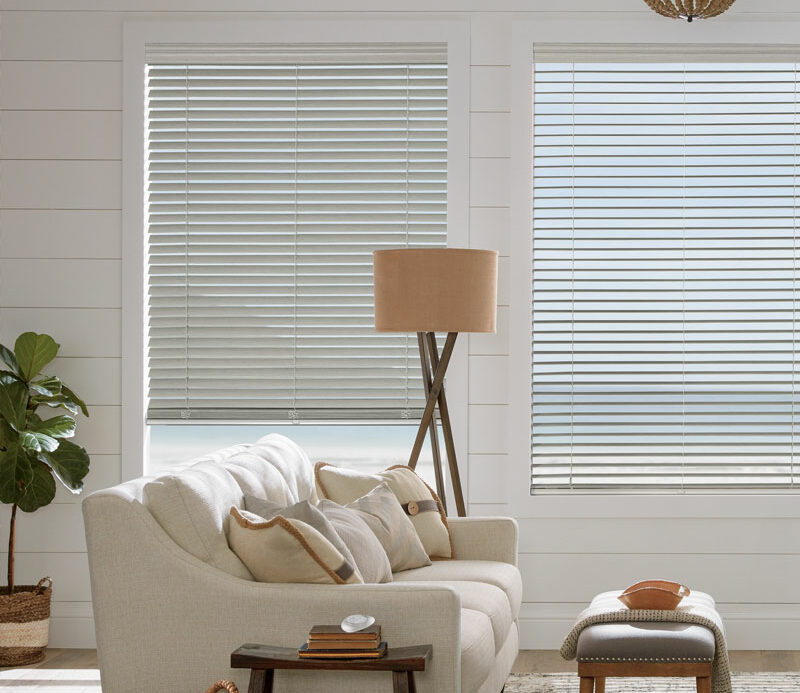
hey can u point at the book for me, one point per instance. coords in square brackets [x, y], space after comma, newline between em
[372, 632]
[343, 644]
[305, 653]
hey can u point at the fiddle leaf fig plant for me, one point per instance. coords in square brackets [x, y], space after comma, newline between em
[35, 451]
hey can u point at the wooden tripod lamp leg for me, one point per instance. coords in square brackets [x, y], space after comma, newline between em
[426, 359]
[434, 392]
[447, 432]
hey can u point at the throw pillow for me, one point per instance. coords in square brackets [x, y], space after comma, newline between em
[283, 550]
[418, 500]
[381, 511]
[305, 512]
[370, 557]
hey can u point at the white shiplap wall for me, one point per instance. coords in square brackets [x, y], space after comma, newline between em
[60, 229]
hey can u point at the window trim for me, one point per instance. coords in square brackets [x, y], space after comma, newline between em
[454, 32]
[605, 503]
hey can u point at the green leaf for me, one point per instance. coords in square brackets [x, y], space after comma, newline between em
[55, 402]
[49, 386]
[8, 435]
[74, 399]
[34, 352]
[16, 473]
[69, 462]
[13, 401]
[35, 441]
[58, 427]
[40, 491]
[8, 375]
[10, 360]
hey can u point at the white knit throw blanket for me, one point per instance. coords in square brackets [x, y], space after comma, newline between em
[697, 608]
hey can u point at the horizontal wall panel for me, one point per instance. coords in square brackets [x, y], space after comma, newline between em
[503, 281]
[488, 478]
[60, 233]
[73, 632]
[488, 379]
[488, 510]
[550, 577]
[490, 135]
[104, 472]
[100, 433]
[95, 380]
[748, 626]
[57, 527]
[489, 39]
[61, 36]
[41, 85]
[670, 536]
[79, 331]
[344, 6]
[489, 182]
[70, 572]
[85, 283]
[490, 88]
[492, 343]
[61, 135]
[61, 184]
[487, 429]
[490, 228]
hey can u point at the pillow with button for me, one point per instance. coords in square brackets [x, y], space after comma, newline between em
[418, 500]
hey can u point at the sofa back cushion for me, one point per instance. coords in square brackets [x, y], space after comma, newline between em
[193, 504]
[193, 508]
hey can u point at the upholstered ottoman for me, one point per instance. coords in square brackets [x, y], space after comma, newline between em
[644, 649]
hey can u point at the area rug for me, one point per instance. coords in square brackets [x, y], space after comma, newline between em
[768, 682]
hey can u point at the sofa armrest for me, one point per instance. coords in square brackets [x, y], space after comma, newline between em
[167, 621]
[485, 538]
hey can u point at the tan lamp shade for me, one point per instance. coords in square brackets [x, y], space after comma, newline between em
[435, 290]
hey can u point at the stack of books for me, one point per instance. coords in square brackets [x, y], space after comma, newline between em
[331, 642]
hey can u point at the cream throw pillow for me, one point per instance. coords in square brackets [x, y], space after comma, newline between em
[286, 550]
[368, 553]
[418, 500]
[384, 516]
[305, 512]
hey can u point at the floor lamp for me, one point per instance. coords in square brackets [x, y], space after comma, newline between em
[430, 290]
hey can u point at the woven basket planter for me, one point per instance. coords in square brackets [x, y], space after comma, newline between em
[25, 623]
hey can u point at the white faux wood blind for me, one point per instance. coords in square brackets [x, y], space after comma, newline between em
[268, 187]
[665, 275]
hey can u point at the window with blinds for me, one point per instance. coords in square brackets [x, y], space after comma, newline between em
[665, 275]
[272, 175]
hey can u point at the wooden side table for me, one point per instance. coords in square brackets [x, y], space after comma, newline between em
[262, 660]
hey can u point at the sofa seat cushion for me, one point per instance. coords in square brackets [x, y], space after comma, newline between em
[502, 575]
[477, 649]
[490, 600]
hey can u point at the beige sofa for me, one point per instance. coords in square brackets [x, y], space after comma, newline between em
[171, 601]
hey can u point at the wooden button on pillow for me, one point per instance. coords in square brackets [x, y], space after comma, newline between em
[418, 500]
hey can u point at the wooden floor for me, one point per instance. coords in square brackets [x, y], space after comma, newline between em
[75, 671]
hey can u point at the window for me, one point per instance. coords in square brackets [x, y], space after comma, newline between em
[665, 275]
[269, 185]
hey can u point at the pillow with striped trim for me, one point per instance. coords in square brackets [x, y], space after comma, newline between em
[418, 500]
[383, 515]
[287, 550]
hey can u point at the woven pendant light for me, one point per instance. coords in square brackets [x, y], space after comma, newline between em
[689, 9]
